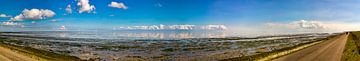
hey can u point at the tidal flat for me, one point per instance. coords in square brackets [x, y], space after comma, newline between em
[185, 49]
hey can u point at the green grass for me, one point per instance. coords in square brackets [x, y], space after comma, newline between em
[351, 52]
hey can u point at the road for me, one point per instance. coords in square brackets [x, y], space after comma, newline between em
[330, 50]
[8, 55]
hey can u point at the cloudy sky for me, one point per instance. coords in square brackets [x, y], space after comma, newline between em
[238, 15]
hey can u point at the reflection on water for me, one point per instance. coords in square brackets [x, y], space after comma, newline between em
[153, 50]
[132, 34]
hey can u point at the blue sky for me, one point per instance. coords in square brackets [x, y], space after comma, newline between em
[236, 14]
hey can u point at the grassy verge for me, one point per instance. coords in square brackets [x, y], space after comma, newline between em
[278, 53]
[40, 55]
[351, 51]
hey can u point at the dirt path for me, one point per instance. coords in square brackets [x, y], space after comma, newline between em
[8, 55]
[330, 50]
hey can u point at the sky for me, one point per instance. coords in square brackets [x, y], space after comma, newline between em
[237, 15]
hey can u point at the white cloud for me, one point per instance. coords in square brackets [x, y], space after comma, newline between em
[4, 16]
[118, 5]
[85, 6]
[310, 24]
[9, 23]
[301, 24]
[34, 14]
[214, 27]
[313, 26]
[68, 9]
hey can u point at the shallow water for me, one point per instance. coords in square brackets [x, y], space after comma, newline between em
[130, 34]
[166, 45]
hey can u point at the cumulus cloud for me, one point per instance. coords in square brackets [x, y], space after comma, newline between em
[9, 23]
[301, 24]
[313, 26]
[34, 14]
[310, 24]
[85, 6]
[4, 16]
[118, 5]
[68, 9]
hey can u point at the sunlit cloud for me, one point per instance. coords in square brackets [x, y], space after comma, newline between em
[118, 5]
[301, 24]
[313, 26]
[34, 14]
[9, 23]
[85, 6]
[4, 16]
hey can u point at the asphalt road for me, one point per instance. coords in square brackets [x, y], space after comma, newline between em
[330, 50]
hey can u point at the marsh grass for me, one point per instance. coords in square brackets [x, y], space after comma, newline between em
[351, 51]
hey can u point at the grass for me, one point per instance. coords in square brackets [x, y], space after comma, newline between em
[351, 51]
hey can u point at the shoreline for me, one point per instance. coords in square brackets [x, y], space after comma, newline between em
[31, 54]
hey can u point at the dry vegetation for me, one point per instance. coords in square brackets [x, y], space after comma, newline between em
[352, 52]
